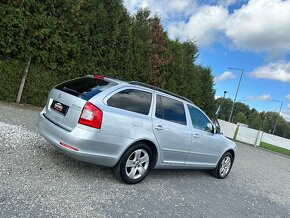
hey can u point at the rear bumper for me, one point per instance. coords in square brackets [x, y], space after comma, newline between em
[93, 147]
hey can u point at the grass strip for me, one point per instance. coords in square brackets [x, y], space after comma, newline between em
[275, 148]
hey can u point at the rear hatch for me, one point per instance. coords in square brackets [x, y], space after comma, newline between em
[66, 100]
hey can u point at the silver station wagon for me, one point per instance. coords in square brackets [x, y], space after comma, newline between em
[132, 127]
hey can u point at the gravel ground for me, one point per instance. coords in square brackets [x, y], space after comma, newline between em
[38, 181]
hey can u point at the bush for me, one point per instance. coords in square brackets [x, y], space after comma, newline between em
[38, 82]
[10, 76]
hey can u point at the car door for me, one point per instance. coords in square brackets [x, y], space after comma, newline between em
[206, 147]
[128, 110]
[171, 130]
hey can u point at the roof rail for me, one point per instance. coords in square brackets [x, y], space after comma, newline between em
[160, 90]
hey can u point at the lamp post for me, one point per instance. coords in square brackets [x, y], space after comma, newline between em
[285, 132]
[242, 71]
[219, 107]
[278, 115]
[225, 92]
[262, 127]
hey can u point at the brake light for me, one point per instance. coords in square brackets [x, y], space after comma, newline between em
[99, 77]
[91, 116]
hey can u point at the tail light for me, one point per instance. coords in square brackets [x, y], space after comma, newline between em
[91, 116]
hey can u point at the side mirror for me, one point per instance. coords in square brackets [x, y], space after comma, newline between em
[217, 130]
[209, 127]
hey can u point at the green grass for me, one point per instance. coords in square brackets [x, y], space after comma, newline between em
[275, 148]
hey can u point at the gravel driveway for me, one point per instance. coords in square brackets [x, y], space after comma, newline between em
[38, 181]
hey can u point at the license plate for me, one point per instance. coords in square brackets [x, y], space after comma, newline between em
[59, 107]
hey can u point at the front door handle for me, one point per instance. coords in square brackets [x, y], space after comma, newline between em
[195, 135]
[159, 127]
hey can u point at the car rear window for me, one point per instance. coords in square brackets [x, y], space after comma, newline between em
[85, 87]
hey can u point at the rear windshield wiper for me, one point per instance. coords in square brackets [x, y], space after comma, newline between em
[71, 91]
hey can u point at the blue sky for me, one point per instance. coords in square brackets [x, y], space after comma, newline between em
[249, 34]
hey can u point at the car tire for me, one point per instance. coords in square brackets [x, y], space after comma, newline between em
[224, 166]
[134, 164]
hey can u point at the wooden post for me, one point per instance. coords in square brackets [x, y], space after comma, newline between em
[23, 81]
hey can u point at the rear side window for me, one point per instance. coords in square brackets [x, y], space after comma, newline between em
[132, 100]
[198, 119]
[170, 109]
[85, 87]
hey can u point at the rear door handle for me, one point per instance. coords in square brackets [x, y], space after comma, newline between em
[195, 135]
[159, 127]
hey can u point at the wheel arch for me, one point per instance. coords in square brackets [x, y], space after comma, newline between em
[151, 145]
[231, 151]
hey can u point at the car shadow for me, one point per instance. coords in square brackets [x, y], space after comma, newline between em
[63, 162]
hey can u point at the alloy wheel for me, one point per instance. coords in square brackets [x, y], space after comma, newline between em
[225, 166]
[137, 164]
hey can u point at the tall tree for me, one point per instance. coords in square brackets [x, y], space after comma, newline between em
[71, 38]
[207, 92]
[240, 118]
[158, 49]
[141, 46]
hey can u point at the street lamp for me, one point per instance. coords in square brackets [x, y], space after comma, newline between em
[219, 107]
[242, 71]
[278, 115]
[225, 92]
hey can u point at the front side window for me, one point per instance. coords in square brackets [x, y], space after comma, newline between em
[198, 119]
[170, 109]
[132, 100]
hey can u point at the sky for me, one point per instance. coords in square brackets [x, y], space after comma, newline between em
[253, 35]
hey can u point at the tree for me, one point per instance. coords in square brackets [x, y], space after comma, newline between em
[255, 121]
[141, 46]
[240, 118]
[158, 49]
[72, 38]
[207, 101]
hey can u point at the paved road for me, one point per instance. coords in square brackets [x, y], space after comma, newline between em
[38, 181]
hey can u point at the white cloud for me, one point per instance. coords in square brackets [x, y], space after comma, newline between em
[259, 25]
[225, 76]
[132, 5]
[186, 19]
[265, 97]
[167, 9]
[288, 97]
[288, 106]
[202, 27]
[276, 71]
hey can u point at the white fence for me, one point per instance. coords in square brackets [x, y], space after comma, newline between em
[249, 136]
[276, 140]
[228, 129]
[252, 136]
